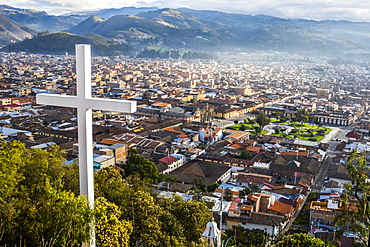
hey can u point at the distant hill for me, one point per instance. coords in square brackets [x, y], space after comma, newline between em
[344, 34]
[294, 39]
[11, 31]
[144, 32]
[205, 30]
[174, 18]
[176, 29]
[243, 23]
[119, 26]
[181, 20]
[108, 13]
[60, 43]
[38, 20]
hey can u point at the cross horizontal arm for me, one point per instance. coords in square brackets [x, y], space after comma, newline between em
[124, 106]
[57, 100]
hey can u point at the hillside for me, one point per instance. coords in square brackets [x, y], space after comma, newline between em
[294, 39]
[201, 30]
[38, 20]
[174, 18]
[344, 32]
[119, 26]
[181, 20]
[143, 32]
[60, 43]
[11, 31]
[108, 13]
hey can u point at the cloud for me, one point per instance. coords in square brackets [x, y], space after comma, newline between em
[354, 10]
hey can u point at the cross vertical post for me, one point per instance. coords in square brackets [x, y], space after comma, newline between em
[84, 104]
[85, 142]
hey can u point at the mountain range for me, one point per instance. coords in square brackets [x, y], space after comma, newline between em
[137, 28]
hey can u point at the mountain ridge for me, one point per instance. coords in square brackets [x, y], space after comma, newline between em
[11, 31]
[207, 30]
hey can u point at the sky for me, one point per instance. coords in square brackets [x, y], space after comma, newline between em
[351, 10]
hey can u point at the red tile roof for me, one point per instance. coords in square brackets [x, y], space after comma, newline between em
[168, 159]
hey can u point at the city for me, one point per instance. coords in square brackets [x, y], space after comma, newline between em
[268, 132]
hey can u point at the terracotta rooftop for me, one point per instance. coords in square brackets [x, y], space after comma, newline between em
[305, 153]
[281, 207]
[168, 159]
[253, 149]
[253, 197]
[111, 142]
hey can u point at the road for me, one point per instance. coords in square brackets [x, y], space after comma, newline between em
[338, 136]
[344, 130]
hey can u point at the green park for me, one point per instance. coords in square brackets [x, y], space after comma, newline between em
[282, 127]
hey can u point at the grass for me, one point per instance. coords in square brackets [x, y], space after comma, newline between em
[278, 122]
[247, 126]
[281, 135]
[312, 197]
[307, 134]
[263, 132]
[302, 219]
[304, 131]
[297, 124]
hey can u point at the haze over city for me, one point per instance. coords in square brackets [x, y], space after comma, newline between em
[357, 10]
[152, 123]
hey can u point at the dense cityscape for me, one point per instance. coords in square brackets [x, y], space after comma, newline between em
[264, 139]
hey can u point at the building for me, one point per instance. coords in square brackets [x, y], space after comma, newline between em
[333, 117]
[210, 134]
[171, 162]
[207, 172]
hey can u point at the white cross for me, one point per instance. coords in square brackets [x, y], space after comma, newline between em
[84, 104]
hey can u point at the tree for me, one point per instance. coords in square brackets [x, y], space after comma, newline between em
[62, 218]
[257, 129]
[245, 237]
[302, 115]
[146, 169]
[71, 178]
[299, 239]
[39, 207]
[278, 115]
[108, 183]
[109, 229]
[355, 216]
[213, 187]
[254, 188]
[37, 210]
[11, 162]
[141, 210]
[43, 33]
[242, 128]
[193, 216]
[173, 232]
[251, 121]
[228, 195]
[262, 120]
[151, 225]
[245, 154]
